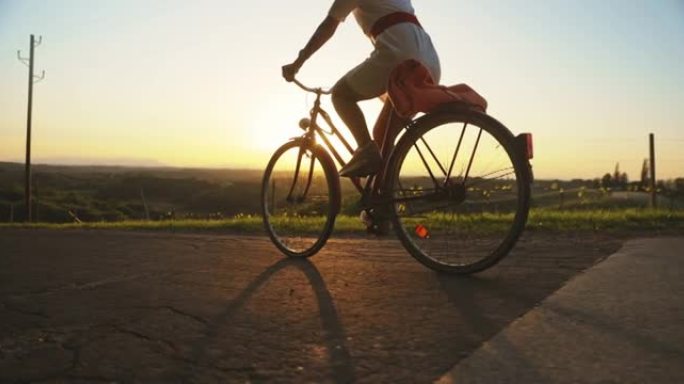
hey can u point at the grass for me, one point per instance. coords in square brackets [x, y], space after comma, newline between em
[539, 220]
[604, 219]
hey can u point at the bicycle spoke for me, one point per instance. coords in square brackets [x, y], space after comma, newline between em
[433, 156]
[296, 173]
[310, 177]
[472, 156]
[511, 172]
[458, 148]
[427, 167]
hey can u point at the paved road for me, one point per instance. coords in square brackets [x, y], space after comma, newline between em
[620, 322]
[122, 306]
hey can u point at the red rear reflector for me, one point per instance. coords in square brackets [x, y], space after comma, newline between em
[527, 145]
[422, 231]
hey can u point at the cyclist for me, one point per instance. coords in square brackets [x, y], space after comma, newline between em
[396, 36]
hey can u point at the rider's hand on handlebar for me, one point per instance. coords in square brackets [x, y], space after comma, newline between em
[290, 70]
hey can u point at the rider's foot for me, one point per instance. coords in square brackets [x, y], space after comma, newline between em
[375, 224]
[379, 228]
[366, 161]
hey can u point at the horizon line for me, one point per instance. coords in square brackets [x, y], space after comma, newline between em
[242, 168]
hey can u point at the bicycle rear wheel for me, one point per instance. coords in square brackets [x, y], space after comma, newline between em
[459, 190]
[300, 198]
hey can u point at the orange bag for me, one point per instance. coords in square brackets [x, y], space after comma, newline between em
[412, 89]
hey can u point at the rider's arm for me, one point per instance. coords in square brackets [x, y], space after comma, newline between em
[323, 33]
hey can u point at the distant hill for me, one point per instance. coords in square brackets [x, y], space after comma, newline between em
[95, 193]
[112, 193]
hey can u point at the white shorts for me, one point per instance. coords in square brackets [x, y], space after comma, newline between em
[395, 45]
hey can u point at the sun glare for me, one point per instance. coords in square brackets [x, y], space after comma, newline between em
[270, 129]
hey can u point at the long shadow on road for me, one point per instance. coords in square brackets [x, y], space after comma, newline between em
[159, 307]
[467, 294]
[340, 359]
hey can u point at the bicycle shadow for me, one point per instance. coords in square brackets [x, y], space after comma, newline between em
[340, 361]
[467, 294]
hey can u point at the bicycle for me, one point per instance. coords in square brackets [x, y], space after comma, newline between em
[454, 214]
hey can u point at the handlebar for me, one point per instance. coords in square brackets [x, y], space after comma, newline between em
[318, 91]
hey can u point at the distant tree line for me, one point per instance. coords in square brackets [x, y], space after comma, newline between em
[85, 194]
[616, 181]
[619, 181]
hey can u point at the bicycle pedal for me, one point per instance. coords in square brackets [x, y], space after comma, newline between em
[381, 229]
[366, 218]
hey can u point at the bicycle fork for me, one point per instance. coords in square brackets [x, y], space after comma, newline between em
[309, 177]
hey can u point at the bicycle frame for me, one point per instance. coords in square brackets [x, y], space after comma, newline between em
[314, 129]
[370, 189]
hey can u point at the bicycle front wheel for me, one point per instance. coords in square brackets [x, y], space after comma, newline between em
[300, 198]
[459, 191]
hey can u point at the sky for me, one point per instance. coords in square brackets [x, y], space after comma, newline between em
[197, 84]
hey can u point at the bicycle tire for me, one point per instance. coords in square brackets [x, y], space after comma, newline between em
[505, 139]
[333, 191]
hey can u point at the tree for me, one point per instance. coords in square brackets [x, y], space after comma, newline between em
[623, 181]
[644, 175]
[607, 181]
[679, 186]
[617, 179]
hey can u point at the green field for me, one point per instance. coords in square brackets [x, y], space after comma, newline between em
[225, 200]
[539, 220]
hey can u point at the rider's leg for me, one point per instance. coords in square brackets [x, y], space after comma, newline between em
[381, 123]
[387, 128]
[366, 160]
[345, 100]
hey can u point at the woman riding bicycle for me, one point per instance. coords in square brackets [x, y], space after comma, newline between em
[397, 36]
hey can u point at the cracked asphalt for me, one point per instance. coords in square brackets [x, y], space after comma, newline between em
[106, 306]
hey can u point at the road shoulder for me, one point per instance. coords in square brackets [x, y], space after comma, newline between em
[620, 321]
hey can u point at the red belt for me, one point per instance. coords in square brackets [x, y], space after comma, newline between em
[390, 20]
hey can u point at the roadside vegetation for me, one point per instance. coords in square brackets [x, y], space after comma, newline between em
[539, 220]
[227, 201]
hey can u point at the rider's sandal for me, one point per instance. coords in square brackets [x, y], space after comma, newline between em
[375, 225]
[365, 162]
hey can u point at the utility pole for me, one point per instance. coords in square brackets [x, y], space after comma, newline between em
[654, 203]
[31, 80]
[147, 211]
